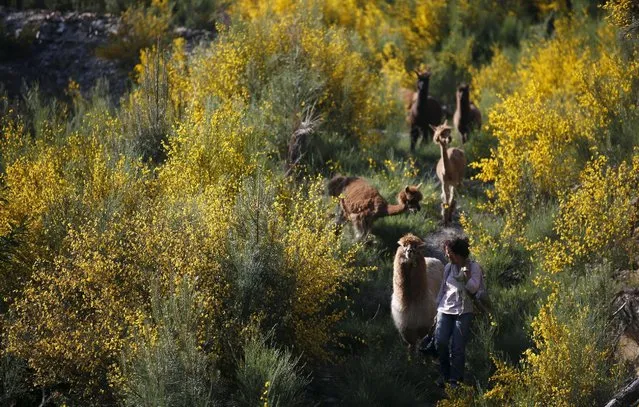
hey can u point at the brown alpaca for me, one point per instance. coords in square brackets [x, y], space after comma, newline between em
[362, 204]
[424, 111]
[416, 282]
[450, 169]
[467, 116]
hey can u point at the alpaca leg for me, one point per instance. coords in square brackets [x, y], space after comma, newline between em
[445, 193]
[339, 223]
[410, 339]
[359, 224]
[451, 209]
[368, 226]
[451, 203]
[444, 205]
[414, 136]
[444, 213]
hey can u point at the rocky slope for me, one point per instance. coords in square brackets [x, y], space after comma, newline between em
[52, 47]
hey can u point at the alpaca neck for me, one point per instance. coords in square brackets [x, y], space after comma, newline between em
[392, 210]
[422, 97]
[406, 284]
[463, 105]
[443, 150]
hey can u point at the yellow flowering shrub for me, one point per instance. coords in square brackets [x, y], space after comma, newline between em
[77, 313]
[546, 6]
[624, 14]
[370, 20]
[117, 229]
[250, 57]
[255, 9]
[497, 78]
[52, 179]
[33, 182]
[507, 383]
[564, 368]
[483, 244]
[348, 76]
[321, 267]
[562, 106]
[175, 70]
[594, 220]
[421, 25]
[140, 27]
[207, 149]
[565, 362]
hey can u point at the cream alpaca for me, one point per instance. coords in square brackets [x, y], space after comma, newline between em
[416, 282]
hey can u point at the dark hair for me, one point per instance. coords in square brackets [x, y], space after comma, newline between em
[459, 246]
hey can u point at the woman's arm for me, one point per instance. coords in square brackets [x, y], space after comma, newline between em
[472, 285]
[442, 284]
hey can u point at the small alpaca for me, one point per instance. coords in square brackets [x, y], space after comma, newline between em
[450, 169]
[467, 115]
[424, 111]
[416, 282]
[362, 204]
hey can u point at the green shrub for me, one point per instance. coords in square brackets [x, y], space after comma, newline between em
[167, 366]
[148, 115]
[263, 287]
[269, 376]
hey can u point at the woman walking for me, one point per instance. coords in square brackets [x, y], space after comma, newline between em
[462, 278]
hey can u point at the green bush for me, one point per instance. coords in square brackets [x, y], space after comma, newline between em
[168, 366]
[255, 261]
[148, 115]
[269, 376]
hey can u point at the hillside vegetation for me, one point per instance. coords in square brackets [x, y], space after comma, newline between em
[179, 248]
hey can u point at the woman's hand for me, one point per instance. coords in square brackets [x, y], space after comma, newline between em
[466, 271]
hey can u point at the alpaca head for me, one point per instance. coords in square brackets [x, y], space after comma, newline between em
[410, 247]
[422, 80]
[442, 134]
[463, 92]
[410, 196]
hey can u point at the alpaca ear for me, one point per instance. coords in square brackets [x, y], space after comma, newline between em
[422, 245]
[407, 189]
[418, 185]
[399, 242]
[446, 122]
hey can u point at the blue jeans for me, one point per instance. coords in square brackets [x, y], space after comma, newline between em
[452, 354]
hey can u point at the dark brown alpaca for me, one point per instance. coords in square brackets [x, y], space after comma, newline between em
[362, 204]
[467, 115]
[424, 110]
